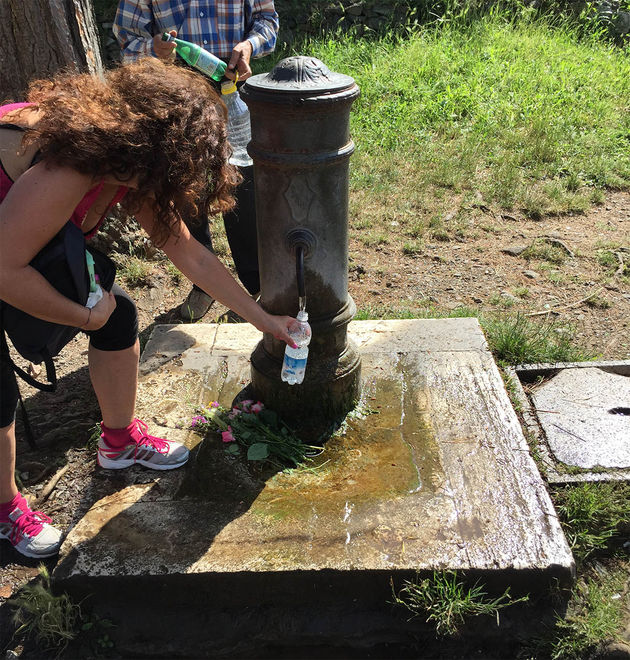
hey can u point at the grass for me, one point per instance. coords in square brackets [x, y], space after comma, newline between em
[513, 339]
[594, 617]
[593, 515]
[541, 251]
[175, 275]
[52, 621]
[598, 302]
[445, 601]
[499, 300]
[519, 340]
[608, 260]
[136, 272]
[529, 115]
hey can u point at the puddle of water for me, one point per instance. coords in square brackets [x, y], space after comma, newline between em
[388, 453]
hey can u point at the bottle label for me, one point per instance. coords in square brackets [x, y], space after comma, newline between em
[294, 364]
[206, 63]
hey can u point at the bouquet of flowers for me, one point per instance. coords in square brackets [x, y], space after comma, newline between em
[255, 428]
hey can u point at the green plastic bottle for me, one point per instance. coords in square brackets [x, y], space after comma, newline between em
[198, 58]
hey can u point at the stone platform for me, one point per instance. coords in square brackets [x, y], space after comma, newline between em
[434, 474]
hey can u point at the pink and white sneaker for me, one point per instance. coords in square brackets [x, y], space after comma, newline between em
[29, 532]
[141, 448]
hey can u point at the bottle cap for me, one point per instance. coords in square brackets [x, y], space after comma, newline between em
[228, 87]
[302, 315]
[166, 37]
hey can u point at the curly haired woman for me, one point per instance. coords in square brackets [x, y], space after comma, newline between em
[148, 136]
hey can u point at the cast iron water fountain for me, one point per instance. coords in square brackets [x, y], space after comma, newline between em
[301, 148]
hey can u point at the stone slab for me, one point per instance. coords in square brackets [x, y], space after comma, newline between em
[530, 376]
[579, 413]
[434, 474]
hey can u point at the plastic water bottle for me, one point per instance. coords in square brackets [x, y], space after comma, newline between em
[96, 293]
[238, 124]
[294, 365]
[197, 57]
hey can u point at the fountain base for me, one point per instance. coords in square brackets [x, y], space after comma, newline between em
[430, 472]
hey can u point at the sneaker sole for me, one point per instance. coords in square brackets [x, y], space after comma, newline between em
[32, 555]
[109, 464]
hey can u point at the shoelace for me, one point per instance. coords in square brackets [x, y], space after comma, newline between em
[29, 523]
[147, 440]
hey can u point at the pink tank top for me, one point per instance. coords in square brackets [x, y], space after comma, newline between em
[81, 211]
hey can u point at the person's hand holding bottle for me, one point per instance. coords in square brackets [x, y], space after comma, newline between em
[100, 313]
[164, 50]
[239, 61]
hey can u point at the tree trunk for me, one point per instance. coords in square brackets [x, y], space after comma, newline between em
[39, 37]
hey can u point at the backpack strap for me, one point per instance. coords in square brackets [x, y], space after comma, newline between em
[28, 429]
[37, 156]
[51, 375]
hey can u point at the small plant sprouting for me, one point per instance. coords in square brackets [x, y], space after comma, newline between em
[92, 441]
[135, 271]
[412, 248]
[52, 620]
[541, 251]
[598, 302]
[174, 273]
[446, 602]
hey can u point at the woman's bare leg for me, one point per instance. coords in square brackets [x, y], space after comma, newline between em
[114, 376]
[8, 488]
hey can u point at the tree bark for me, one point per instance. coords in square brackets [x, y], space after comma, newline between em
[40, 37]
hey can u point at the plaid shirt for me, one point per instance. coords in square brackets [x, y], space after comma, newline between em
[217, 26]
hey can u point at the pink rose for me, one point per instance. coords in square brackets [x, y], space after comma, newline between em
[257, 407]
[227, 436]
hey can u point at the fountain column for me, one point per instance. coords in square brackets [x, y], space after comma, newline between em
[301, 147]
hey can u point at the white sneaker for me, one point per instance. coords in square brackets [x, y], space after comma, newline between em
[29, 532]
[144, 449]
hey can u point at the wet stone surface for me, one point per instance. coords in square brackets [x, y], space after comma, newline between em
[433, 472]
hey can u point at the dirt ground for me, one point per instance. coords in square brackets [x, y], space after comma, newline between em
[587, 290]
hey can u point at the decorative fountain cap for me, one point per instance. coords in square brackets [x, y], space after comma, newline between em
[301, 74]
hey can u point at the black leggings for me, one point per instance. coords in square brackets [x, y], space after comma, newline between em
[120, 332]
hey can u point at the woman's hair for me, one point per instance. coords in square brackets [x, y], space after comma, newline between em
[157, 123]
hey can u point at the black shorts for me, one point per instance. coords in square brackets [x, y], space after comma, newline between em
[120, 332]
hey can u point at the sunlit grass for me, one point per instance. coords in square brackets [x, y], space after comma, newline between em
[528, 115]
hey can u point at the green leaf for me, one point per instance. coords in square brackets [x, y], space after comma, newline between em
[245, 435]
[232, 449]
[268, 417]
[87, 625]
[258, 452]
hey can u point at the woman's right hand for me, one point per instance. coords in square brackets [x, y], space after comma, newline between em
[279, 327]
[164, 50]
[100, 313]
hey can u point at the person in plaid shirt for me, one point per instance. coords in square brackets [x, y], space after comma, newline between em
[235, 31]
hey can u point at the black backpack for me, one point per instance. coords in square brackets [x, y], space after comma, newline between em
[62, 262]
